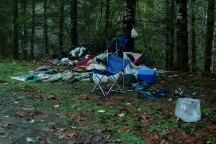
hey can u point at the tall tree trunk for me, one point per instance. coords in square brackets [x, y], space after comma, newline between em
[167, 33]
[24, 48]
[129, 22]
[15, 30]
[193, 37]
[209, 35]
[46, 39]
[182, 36]
[172, 33]
[33, 30]
[74, 31]
[61, 25]
[107, 18]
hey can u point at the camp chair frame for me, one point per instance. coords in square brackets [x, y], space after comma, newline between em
[111, 76]
[104, 89]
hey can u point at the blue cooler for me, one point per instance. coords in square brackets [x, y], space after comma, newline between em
[146, 75]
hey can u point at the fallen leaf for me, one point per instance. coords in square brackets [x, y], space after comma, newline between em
[51, 97]
[127, 127]
[84, 98]
[142, 119]
[6, 124]
[30, 89]
[24, 112]
[164, 141]
[71, 133]
[48, 141]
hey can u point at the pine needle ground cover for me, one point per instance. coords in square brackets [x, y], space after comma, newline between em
[63, 112]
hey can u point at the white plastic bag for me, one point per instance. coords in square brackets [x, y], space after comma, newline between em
[188, 109]
[134, 33]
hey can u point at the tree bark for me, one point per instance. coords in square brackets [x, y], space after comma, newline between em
[129, 22]
[61, 25]
[193, 37]
[33, 30]
[182, 36]
[46, 39]
[209, 36]
[172, 33]
[74, 31]
[25, 35]
[167, 34]
[15, 30]
[107, 18]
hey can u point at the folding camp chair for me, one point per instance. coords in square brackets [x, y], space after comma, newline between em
[114, 66]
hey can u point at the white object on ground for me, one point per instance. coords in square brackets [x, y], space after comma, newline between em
[188, 109]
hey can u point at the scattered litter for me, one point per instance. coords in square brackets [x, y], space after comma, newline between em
[56, 106]
[32, 121]
[29, 140]
[101, 111]
[122, 114]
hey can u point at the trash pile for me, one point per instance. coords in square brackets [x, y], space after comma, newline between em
[81, 63]
[48, 74]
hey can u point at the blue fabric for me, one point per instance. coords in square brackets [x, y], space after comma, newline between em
[121, 40]
[114, 66]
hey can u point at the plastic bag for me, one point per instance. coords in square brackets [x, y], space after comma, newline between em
[188, 109]
[134, 33]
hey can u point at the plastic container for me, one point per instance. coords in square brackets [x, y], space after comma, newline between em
[188, 109]
[146, 75]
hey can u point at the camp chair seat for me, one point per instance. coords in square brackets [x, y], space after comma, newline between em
[115, 65]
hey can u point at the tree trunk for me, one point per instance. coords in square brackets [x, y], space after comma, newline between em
[33, 30]
[15, 30]
[74, 31]
[61, 25]
[24, 48]
[209, 36]
[167, 34]
[172, 33]
[182, 36]
[129, 22]
[107, 19]
[46, 39]
[193, 37]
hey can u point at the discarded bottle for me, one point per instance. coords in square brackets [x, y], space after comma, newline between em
[188, 109]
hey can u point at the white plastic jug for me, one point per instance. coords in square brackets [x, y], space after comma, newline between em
[188, 109]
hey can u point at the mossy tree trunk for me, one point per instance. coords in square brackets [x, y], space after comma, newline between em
[74, 29]
[15, 30]
[209, 36]
[129, 23]
[182, 36]
[32, 30]
[46, 39]
[61, 25]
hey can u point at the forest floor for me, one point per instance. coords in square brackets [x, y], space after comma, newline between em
[62, 112]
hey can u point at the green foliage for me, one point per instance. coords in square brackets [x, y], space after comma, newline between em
[130, 138]
[163, 126]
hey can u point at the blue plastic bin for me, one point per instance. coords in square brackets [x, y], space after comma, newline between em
[146, 75]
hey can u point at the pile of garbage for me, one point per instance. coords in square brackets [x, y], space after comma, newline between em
[81, 63]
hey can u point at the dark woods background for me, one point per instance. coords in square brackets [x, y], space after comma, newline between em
[176, 34]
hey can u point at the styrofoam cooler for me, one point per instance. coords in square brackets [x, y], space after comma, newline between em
[146, 75]
[188, 109]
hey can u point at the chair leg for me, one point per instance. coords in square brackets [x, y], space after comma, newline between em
[94, 87]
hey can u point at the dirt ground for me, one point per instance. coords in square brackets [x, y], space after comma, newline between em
[64, 112]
